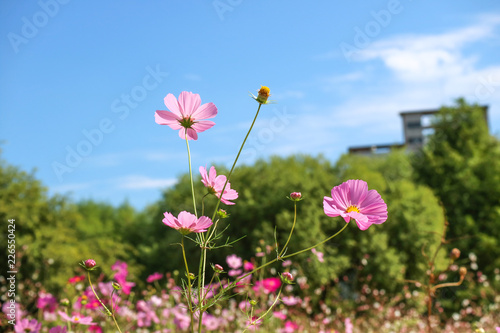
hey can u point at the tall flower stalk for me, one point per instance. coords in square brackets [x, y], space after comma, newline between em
[351, 200]
[205, 244]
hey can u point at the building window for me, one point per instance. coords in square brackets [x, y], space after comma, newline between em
[413, 124]
[415, 140]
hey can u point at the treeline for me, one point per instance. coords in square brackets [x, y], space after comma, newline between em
[454, 178]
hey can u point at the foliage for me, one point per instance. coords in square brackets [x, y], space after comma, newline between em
[461, 163]
[53, 234]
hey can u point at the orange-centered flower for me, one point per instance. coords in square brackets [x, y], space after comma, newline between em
[264, 93]
[352, 209]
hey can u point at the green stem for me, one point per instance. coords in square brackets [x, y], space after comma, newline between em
[104, 306]
[189, 284]
[204, 245]
[201, 284]
[291, 255]
[293, 226]
[236, 160]
[191, 176]
[253, 322]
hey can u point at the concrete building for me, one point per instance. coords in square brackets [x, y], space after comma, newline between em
[417, 126]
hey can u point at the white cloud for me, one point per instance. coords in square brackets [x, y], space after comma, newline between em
[430, 57]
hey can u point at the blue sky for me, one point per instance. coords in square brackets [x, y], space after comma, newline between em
[80, 81]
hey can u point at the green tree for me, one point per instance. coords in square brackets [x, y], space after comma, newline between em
[461, 163]
[53, 234]
[393, 249]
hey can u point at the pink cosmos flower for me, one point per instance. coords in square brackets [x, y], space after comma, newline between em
[280, 315]
[58, 329]
[26, 325]
[154, 277]
[348, 325]
[248, 266]
[76, 279]
[352, 199]
[215, 184]
[290, 300]
[290, 327]
[185, 115]
[120, 276]
[269, 285]
[46, 302]
[233, 261]
[210, 322]
[76, 318]
[187, 222]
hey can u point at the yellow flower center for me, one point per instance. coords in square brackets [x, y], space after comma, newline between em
[352, 209]
[264, 91]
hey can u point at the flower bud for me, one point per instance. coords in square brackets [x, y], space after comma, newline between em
[253, 302]
[64, 302]
[287, 278]
[296, 196]
[222, 213]
[83, 300]
[218, 268]
[462, 271]
[116, 285]
[455, 254]
[191, 276]
[90, 263]
[264, 93]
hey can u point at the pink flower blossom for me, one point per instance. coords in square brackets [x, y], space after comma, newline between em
[318, 254]
[58, 329]
[95, 329]
[280, 315]
[348, 325]
[26, 325]
[154, 277]
[215, 184]
[290, 300]
[181, 318]
[210, 322]
[270, 285]
[146, 314]
[234, 272]
[187, 222]
[352, 199]
[185, 115]
[121, 277]
[290, 327]
[76, 318]
[76, 279]
[248, 266]
[46, 302]
[233, 261]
